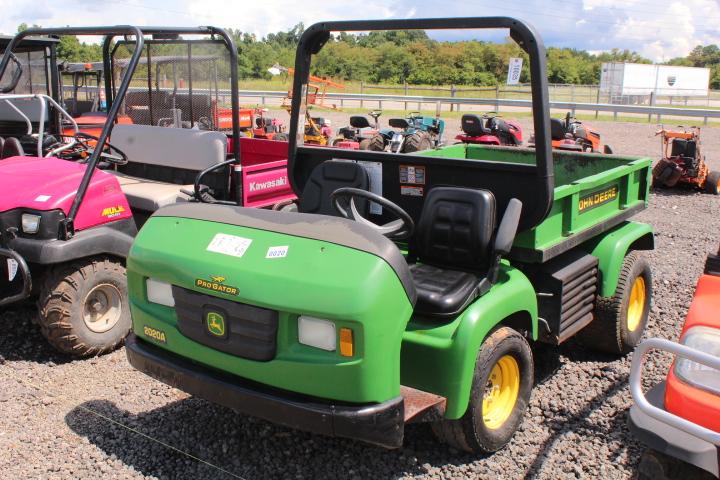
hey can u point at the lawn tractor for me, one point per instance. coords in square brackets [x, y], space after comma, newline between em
[489, 130]
[411, 134]
[683, 162]
[359, 133]
[265, 127]
[679, 418]
[571, 134]
[67, 219]
[407, 288]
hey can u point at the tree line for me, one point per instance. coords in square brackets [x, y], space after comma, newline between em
[412, 57]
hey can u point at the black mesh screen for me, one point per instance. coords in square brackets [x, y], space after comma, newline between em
[181, 84]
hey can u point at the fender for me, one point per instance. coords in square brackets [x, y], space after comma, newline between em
[612, 247]
[442, 360]
[112, 238]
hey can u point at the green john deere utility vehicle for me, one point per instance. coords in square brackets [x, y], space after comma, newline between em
[422, 303]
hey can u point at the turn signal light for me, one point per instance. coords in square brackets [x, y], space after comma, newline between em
[346, 342]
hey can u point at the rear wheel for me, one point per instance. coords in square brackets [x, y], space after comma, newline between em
[417, 142]
[376, 143]
[499, 395]
[712, 183]
[83, 307]
[620, 320]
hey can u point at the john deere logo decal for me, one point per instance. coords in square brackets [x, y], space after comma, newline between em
[598, 198]
[111, 212]
[216, 284]
[215, 323]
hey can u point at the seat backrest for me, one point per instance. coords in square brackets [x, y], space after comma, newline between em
[557, 129]
[398, 123]
[325, 179]
[170, 147]
[12, 148]
[473, 125]
[456, 228]
[31, 107]
[359, 121]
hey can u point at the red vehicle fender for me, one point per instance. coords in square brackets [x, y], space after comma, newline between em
[686, 401]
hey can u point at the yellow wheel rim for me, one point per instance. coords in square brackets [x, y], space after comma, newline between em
[636, 305]
[501, 392]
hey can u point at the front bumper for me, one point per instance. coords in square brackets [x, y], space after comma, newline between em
[379, 424]
[15, 278]
[670, 440]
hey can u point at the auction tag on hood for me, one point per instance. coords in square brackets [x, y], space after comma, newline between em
[12, 268]
[277, 252]
[229, 245]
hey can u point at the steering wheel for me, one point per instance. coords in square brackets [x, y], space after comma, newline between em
[398, 229]
[119, 159]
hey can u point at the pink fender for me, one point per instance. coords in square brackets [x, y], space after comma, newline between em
[51, 184]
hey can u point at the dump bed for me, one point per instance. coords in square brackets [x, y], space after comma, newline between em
[593, 193]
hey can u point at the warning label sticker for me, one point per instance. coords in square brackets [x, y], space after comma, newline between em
[412, 174]
[411, 191]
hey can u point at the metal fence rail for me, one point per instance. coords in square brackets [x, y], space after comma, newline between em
[497, 103]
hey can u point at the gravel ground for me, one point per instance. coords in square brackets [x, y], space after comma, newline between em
[96, 417]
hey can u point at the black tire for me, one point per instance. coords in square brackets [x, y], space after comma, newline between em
[417, 142]
[712, 183]
[281, 137]
[62, 306]
[470, 432]
[336, 140]
[611, 331]
[365, 143]
[655, 465]
[377, 143]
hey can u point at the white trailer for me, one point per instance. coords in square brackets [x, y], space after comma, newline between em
[636, 82]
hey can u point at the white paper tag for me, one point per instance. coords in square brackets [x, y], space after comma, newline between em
[12, 268]
[514, 71]
[229, 245]
[42, 198]
[277, 252]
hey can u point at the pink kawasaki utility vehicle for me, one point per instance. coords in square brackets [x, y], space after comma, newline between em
[67, 218]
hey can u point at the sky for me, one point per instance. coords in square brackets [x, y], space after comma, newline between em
[657, 30]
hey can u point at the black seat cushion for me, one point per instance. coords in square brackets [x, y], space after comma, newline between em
[472, 125]
[557, 129]
[442, 292]
[453, 245]
[328, 177]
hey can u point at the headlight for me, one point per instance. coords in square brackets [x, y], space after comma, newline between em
[30, 223]
[159, 292]
[316, 332]
[706, 340]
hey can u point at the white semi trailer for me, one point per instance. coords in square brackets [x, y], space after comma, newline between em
[639, 83]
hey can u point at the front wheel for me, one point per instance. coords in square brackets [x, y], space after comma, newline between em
[417, 142]
[499, 395]
[83, 307]
[620, 320]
